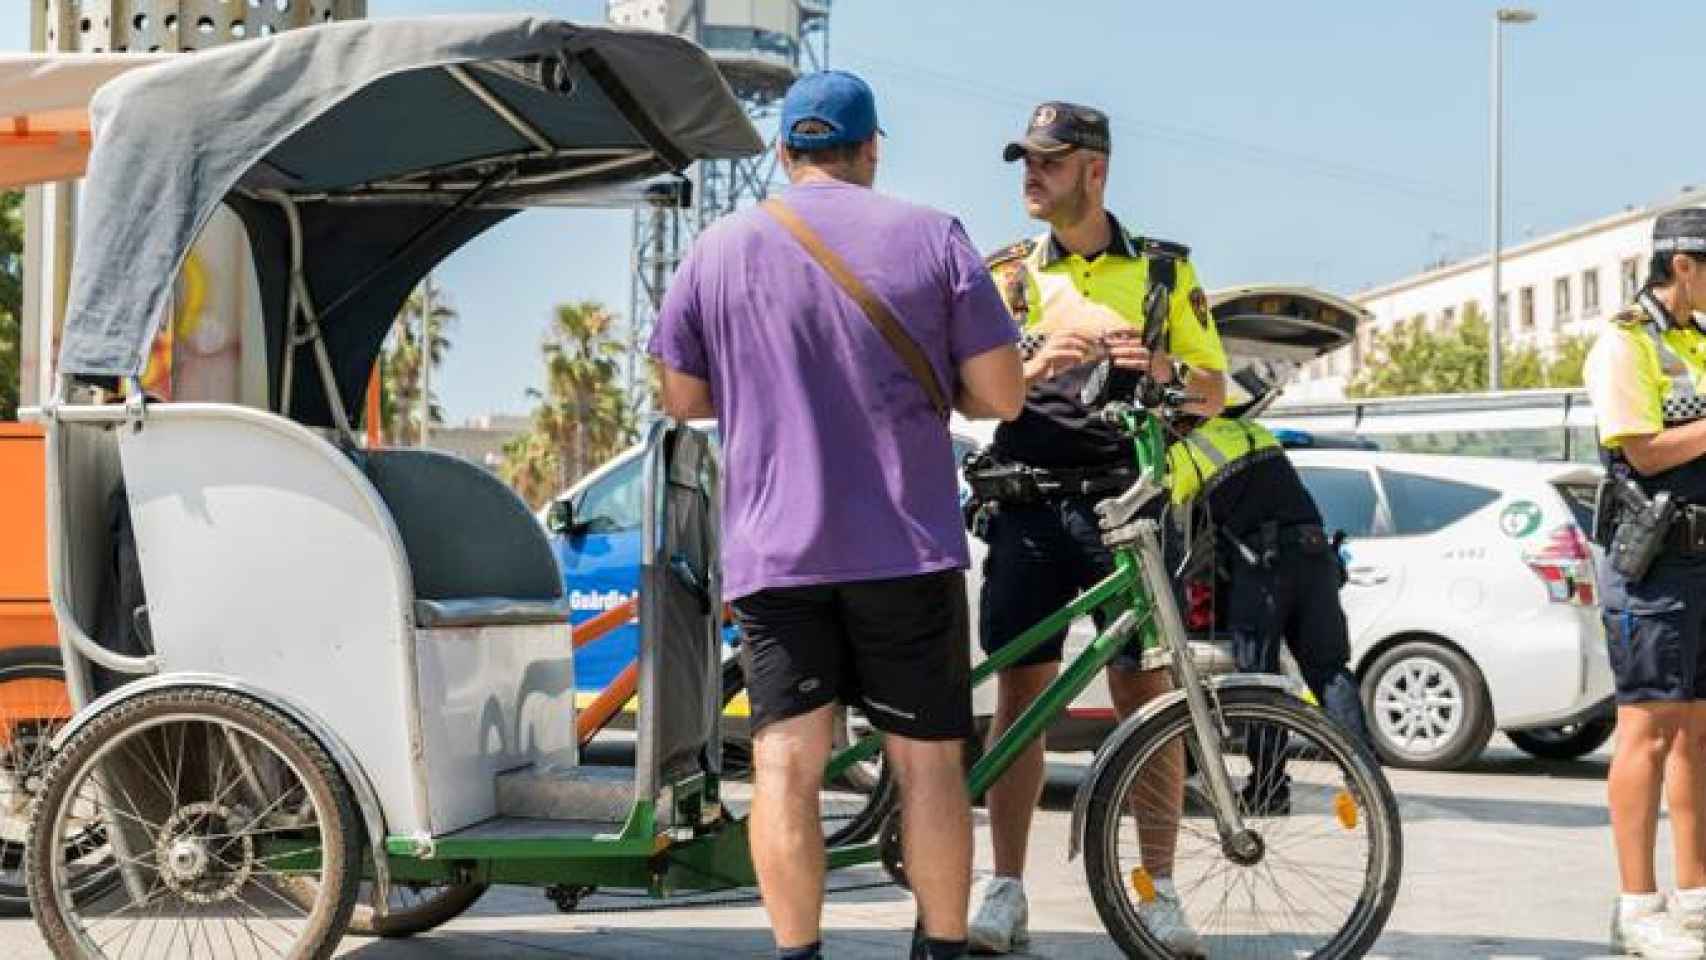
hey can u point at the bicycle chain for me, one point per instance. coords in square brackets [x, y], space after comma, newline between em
[718, 900]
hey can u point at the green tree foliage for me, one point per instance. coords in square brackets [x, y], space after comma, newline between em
[1411, 359]
[583, 416]
[11, 299]
[400, 362]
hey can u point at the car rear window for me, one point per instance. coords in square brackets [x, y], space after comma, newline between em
[1579, 497]
[1346, 498]
[1423, 504]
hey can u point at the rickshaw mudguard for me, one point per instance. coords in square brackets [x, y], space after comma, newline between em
[1128, 729]
[366, 798]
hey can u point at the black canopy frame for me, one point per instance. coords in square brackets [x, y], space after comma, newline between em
[359, 156]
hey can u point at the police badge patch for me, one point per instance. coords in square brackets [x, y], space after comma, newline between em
[1199, 306]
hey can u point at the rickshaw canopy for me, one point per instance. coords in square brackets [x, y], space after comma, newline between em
[391, 142]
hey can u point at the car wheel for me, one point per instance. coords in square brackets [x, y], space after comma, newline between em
[1572, 741]
[1427, 706]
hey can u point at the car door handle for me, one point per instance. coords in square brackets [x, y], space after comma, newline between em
[1367, 576]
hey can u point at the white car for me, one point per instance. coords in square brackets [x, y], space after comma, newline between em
[1471, 601]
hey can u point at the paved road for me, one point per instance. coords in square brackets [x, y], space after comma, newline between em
[1511, 859]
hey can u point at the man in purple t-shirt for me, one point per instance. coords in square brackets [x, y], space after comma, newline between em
[843, 548]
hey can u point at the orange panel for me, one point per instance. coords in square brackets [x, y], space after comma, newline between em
[27, 624]
[23, 513]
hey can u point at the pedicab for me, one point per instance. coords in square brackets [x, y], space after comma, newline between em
[358, 709]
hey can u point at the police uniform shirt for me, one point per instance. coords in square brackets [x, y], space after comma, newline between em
[1241, 496]
[1628, 380]
[1041, 281]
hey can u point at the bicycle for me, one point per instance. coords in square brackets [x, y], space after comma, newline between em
[1311, 861]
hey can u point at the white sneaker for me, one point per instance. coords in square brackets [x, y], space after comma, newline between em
[1690, 918]
[1003, 918]
[1165, 918]
[1654, 936]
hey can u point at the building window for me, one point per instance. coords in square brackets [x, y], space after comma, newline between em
[1560, 301]
[1590, 292]
[1629, 282]
[1527, 309]
[1447, 319]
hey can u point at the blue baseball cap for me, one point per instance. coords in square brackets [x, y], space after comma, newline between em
[836, 98]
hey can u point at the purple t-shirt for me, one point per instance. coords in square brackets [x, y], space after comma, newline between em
[835, 466]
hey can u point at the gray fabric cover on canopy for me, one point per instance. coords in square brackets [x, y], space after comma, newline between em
[365, 123]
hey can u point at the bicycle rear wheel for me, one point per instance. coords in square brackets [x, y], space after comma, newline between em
[1326, 872]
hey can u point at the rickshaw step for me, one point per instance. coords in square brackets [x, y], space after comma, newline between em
[559, 793]
[521, 828]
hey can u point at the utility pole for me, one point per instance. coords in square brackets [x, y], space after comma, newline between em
[1495, 351]
[427, 307]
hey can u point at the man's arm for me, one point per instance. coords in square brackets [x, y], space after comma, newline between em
[1657, 452]
[992, 385]
[686, 397]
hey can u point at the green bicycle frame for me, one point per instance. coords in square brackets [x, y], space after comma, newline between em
[1122, 590]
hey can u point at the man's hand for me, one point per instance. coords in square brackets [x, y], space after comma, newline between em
[1063, 350]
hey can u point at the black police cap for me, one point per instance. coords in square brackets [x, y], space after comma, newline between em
[1680, 231]
[1057, 127]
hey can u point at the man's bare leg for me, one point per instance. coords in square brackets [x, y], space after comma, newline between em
[786, 835]
[1161, 797]
[1012, 799]
[935, 830]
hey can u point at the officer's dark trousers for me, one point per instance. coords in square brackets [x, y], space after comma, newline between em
[1294, 599]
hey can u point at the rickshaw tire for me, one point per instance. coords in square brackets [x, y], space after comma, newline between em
[342, 837]
[452, 902]
[26, 663]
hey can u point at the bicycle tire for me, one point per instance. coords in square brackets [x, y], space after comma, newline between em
[1364, 789]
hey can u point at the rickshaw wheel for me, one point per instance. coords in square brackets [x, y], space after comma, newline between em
[34, 705]
[414, 908]
[218, 805]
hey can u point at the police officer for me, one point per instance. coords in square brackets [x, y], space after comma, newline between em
[1644, 375]
[1283, 577]
[1078, 292]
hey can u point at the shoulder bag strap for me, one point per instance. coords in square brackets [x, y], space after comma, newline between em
[907, 349]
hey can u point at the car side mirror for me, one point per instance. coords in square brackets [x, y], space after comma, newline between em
[560, 519]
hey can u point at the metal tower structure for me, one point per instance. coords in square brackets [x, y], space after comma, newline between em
[762, 46]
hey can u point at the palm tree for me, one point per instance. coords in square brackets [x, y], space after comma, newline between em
[582, 416]
[400, 371]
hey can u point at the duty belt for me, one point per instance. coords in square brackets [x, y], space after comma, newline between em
[998, 482]
[1261, 546]
[1687, 536]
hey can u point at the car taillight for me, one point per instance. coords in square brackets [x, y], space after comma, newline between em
[1565, 566]
[1199, 605]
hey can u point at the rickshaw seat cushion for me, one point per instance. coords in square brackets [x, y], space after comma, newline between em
[466, 534]
[489, 612]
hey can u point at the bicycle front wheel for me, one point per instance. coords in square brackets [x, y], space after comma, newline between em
[1320, 882]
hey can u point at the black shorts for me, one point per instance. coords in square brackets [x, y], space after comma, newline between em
[1653, 630]
[1041, 557]
[898, 649]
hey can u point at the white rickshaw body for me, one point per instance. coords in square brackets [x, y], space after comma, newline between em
[378, 636]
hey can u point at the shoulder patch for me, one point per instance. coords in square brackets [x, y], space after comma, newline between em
[1163, 248]
[1199, 306]
[1629, 317]
[1010, 253]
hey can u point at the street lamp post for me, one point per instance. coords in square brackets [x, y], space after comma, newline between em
[1496, 327]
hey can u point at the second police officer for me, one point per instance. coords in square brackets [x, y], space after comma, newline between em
[1644, 375]
[1078, 292]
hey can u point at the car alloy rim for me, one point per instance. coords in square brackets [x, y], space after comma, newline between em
[1418, 705]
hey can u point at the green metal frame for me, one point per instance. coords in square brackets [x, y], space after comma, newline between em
[716, 856]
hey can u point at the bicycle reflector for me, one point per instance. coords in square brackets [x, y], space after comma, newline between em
[1199, 605]
[1565, 566]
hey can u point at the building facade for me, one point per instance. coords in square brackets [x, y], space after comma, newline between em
[1553, 287]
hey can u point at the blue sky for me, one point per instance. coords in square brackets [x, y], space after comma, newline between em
[1335, 143]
